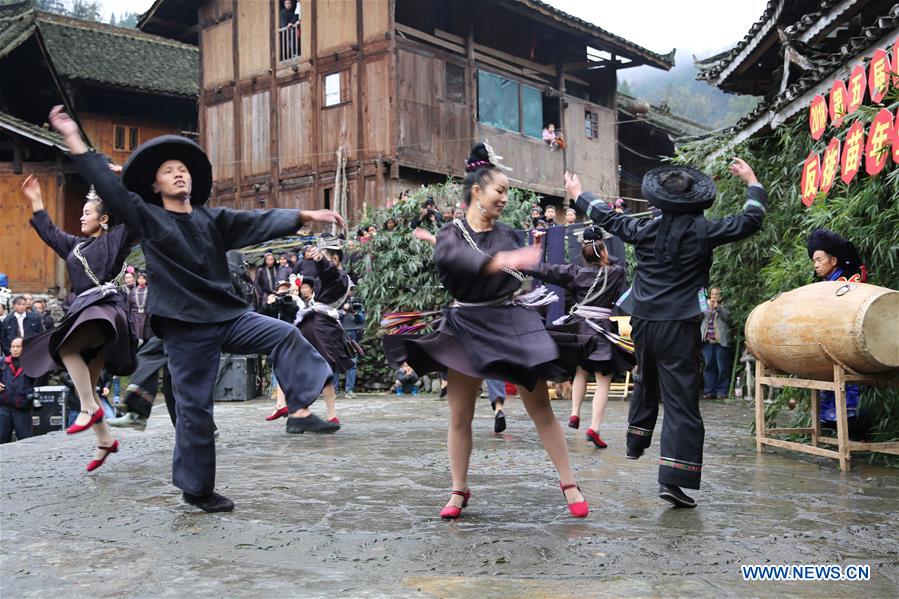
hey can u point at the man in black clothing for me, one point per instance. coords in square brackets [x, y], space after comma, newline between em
[666, 301]
[281, 304]
[21, 322]
[196, 312]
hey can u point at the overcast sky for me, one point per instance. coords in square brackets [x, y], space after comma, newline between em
[702, 27]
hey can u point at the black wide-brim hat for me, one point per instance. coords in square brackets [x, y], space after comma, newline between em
[139, 172]
[697, 198]
[836, 245]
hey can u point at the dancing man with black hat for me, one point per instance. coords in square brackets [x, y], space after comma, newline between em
[666, 300]
[163, 188]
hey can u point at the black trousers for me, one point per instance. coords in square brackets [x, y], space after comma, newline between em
[194, 350]
[13, 419]
[144, 383]
[668, 355]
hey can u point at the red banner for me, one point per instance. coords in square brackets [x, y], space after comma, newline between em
[877, 149]
[811, 177]
[894, 61]
[817, 117]
[857, 84]
[878, 75]
[830, 164]
[838, 101]
[896, 137]
[853, 147]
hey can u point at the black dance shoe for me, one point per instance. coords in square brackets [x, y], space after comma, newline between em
[212, 502]
[633, 454]
[311, 424]
[675, 496]
[499, 422]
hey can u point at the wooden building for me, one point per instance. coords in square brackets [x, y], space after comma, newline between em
[122, 86]
[388, 94]
[795, 51]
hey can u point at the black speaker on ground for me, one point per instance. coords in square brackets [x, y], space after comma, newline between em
[51, 416]
[238, 379]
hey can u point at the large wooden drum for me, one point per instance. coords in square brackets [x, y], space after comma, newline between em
[806, 330]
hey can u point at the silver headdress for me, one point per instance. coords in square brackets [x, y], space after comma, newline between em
[493, 158]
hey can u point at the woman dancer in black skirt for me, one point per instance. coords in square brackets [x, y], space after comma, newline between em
[320, 322]
[595, 287]
[96, 331]
[488, 332]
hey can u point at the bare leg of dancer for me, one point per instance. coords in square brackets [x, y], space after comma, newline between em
[537, 404]
[462, 391]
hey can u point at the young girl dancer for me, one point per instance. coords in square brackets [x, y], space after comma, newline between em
[487, 332]
[96, 330]
[595, 287]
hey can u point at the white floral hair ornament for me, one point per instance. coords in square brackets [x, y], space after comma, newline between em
[494, 159]
[92, 195]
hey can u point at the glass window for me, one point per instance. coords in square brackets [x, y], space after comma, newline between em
[532, 112]
[133, 138]
[455, 82]
[591, 124]
[332, 89]
[120, 138]
[498, 101]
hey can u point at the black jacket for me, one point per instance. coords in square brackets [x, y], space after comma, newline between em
[31, 324]
[668, 289]
[17, 385]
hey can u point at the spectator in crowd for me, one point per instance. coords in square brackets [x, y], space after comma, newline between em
[2, 312]
[536, 216]
[307, 292]
[716, 347]
[549, 215]
[428, 216]
[447, 214]
[458, 212]
[16, 401]
[549, 135]
[21, 323]
[570, 216]
[306, 266]
[266, 277]
[128, 281]
[406, 381]
[496, 391]
[40, 308]
[293, 258]
[281, 304]
[284, 268]
[390, 224]
[353, 322]
[29, 301]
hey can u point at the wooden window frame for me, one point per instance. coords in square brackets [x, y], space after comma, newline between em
[345, 89]
[591, 117]
[446, 96]
[115, 138]
[135, 132]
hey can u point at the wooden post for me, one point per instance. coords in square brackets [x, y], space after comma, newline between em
[816, 420]
[274, 151]
[315, 90]
[839, 392]
[238, 110]
[759, 405]
[560, 74]
[472, 69]
[360, 110]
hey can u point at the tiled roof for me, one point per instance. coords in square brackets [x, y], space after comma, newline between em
[98, 53]
[662, 118]
[662, 61]
[31, 131]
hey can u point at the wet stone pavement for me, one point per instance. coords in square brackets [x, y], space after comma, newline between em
[356, 514]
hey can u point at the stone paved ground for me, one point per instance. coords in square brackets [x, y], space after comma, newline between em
[355, 514]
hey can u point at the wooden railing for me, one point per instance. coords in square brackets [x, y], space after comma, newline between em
[289, 42]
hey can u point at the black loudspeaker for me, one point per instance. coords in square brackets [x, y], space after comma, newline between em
[239, 378]
[52, 414]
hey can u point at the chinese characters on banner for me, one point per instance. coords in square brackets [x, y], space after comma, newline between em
[875, 147]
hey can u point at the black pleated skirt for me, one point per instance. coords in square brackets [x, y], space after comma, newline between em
[40, 354]
[580, 345]
[329, 339]
[508, 343]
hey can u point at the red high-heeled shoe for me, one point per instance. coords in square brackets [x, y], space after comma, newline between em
[94, 464]
[95, 418]
[574, 422]
[578, 509]
[597, 440]
[279, 413]
[334, 420]
[451, 512]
